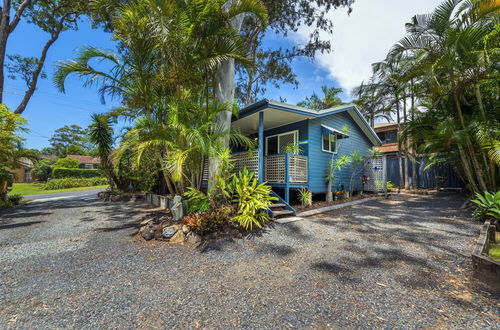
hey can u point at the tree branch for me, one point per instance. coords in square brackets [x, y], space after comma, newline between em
[18, 14]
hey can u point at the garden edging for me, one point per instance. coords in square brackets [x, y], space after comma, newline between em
[485, 267]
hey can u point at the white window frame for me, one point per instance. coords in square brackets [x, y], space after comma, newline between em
[295, 138]
[329, 143]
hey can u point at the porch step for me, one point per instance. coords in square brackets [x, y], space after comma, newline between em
[275, 206]
[283, 212]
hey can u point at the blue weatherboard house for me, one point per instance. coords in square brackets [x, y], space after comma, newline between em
[320, 135]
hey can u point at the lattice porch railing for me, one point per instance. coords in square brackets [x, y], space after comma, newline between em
[297, 169]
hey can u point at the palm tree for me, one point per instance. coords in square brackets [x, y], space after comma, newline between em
[453, 52]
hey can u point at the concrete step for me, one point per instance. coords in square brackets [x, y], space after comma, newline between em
[283, 212]
[275, 206]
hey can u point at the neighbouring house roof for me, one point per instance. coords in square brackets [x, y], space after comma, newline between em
[86, 159]
[25, 162]
[248, 119]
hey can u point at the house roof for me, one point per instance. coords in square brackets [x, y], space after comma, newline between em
[248, 118]
[86, 159]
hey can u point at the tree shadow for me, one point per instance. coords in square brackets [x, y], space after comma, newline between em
[21, 224]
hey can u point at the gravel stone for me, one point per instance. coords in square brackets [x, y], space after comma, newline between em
[397, 263]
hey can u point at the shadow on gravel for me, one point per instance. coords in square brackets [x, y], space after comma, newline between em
[22, 224]
[275, 249]
[25, 214]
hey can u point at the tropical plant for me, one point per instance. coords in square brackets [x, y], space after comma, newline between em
[333, 167]
[451, 58]
[293, 148]
[252, 199]
[197, 201]
[305, 197]
[327, 101]
[487, 204]
[355, 162]
[67, 162]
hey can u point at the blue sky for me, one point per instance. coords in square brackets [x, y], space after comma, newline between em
[355, 48]
[49, 109]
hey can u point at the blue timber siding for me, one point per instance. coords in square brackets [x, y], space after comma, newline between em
[318, 159]
[300, 126]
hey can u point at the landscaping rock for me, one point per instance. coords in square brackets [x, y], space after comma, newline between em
[177, 211]
[147, 232]
[193, 238]
[178, 237]
[185, 229]
[169, 232]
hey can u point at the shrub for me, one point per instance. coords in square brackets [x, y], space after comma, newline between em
[390, 186]
[42, 170]
[73, 183]
[252, 199]
[209, 221]
[197, 201]
[16, 199]
[60, 173]
[67, 163]
[487, 204]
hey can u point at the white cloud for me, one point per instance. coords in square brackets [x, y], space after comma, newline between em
[365, 36]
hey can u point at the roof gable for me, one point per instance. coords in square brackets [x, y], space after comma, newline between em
[351, 108]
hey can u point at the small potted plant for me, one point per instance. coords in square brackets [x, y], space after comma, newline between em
[339, 195]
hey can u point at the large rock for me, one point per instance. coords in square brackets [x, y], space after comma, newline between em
[177, 211]
[178, 237]
[147, 232]
[193, 238]
[169, 232]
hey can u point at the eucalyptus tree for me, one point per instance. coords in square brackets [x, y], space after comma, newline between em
[50, 16]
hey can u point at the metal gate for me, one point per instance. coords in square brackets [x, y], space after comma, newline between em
[375, 174]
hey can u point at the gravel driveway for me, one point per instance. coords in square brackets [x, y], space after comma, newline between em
[401, 263]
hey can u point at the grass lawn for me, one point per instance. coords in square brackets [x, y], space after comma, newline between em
[34, 189]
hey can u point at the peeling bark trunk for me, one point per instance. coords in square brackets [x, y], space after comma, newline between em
[225, 87]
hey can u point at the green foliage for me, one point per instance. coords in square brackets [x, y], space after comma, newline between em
[329, 99]
[42, 170]
[390, 185]
[60, 173]
[487, 204]
[73, 183]
[70, 140]
[305, 197]
[252, 199]
[67, 163]
[355, 160]
[197, 201]
[15, 199]
[293, 148]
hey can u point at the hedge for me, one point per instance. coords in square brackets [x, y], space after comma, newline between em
[73, 183]
[60, 173]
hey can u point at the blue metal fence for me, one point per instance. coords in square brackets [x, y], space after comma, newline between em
[438, 176]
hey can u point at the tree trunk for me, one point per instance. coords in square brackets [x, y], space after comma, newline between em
[414, 183]
[406, 146]
[398, 119]
[6, 28]
[329, 194]
[225, 86]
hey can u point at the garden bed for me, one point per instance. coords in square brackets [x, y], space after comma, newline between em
[486, 268]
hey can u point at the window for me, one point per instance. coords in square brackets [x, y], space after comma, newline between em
[88, 166]
[388, 137]
[276, 144]
[329, 143]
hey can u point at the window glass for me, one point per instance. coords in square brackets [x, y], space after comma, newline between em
[272, 145]
[333, 143]
[329, 142]
[391, 137]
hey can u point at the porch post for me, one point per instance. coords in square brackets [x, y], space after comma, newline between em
[261, 147]
[287, 177]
